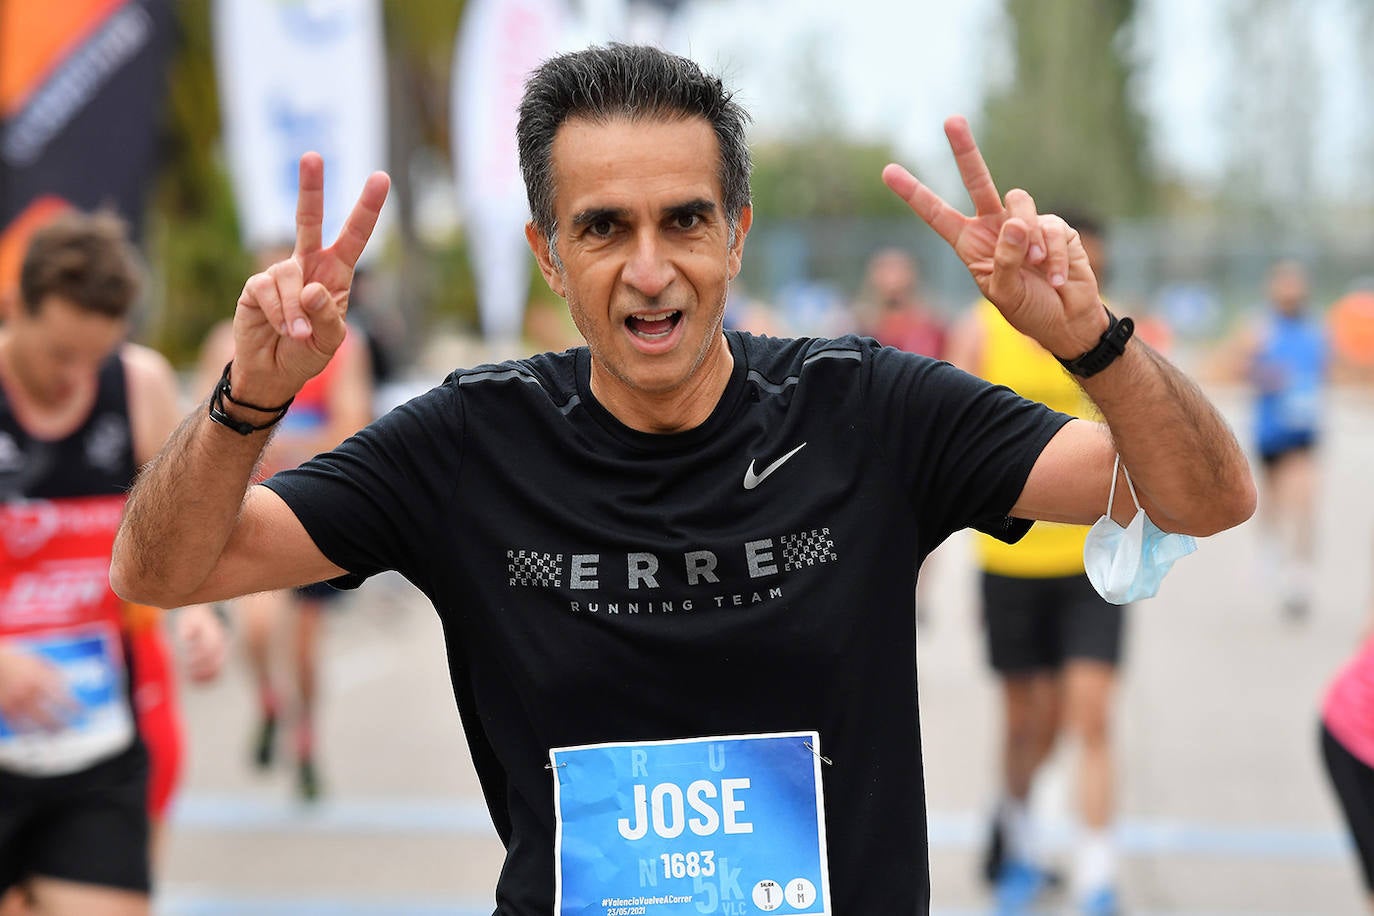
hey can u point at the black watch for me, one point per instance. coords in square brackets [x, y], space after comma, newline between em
[1111, 345]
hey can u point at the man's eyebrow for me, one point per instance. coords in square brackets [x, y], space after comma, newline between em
[699, 207]
[597, 214]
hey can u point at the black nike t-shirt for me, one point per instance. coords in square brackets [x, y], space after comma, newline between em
[753, 575]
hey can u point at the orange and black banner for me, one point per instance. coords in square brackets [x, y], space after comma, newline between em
[81, 90]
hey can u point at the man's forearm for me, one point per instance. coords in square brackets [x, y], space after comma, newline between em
[182, 510]
[1188, 469]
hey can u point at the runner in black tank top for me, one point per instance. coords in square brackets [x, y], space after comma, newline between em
[95, 460]
[80, 411]
[60, 502]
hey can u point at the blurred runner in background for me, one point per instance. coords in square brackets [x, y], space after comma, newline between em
[331, 407]
[891, 308]
[1284, 357]
[1347, 742]
[87, 691]
[1053, 641]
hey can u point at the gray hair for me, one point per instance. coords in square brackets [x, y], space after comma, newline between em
[625, 81]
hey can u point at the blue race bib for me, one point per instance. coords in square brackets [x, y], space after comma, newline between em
[100, 723]
[723, 825]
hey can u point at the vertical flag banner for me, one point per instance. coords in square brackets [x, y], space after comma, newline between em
[81, 90]
[295, 76]
[499, 43]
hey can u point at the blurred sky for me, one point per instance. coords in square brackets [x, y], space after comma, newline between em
[901, 66]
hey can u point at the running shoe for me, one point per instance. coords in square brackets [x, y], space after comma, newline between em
[1019, 885]
[266, 742]
[307, 780]
[1102, 902]
[995, 854]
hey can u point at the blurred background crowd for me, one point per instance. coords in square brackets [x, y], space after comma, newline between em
[1211, 139]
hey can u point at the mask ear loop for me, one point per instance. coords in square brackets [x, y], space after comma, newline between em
[1111, 495]
[1130, 486]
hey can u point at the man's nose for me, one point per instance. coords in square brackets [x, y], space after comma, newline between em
[648, 269]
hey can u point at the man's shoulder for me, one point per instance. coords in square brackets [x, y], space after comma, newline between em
[788, 356]
[553, 374]
[852, 360]
[146, 369]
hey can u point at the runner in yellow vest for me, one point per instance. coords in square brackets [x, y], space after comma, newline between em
[1053, 641]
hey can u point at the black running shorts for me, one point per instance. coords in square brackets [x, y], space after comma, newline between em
[90, 826]
[1297, 443]
[1353, 781]
[1039, 624]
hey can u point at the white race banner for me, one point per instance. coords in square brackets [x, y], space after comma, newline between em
[499, 43]
[294, 76]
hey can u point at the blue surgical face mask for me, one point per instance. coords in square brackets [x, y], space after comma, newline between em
[1128, 564]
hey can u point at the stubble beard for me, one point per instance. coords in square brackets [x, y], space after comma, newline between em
[611, 368]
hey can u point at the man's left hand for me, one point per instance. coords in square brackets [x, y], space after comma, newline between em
[1033, 267]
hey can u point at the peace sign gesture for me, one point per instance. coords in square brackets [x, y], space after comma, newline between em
[1031, 266]
[290, 317]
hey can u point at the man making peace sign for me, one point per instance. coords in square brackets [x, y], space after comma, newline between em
[675, 567]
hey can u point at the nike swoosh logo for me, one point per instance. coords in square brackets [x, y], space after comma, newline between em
[752, 480]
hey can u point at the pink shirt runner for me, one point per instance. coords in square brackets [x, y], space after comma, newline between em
[1349, 707]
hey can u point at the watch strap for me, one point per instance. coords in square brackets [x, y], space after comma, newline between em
[1110, 345]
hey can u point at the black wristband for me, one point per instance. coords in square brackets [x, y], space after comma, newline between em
[242, 427]
[223, 386]
[1111, 345]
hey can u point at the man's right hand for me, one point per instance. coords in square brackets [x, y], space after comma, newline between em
[204, 642]
[33, 694]
[290, 317]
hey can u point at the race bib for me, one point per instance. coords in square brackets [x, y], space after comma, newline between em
[726, 825]
[100, 723]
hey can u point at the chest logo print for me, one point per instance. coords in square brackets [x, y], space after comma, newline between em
[752, 480]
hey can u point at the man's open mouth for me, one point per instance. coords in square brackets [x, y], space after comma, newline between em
[653, 326]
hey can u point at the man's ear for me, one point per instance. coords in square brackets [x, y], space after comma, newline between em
[736, 256]
[539, 245]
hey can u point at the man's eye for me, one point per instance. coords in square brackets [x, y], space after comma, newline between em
[687, 220]
[601, 228]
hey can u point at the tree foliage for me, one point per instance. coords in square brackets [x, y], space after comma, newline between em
[1271, 112]
[194, 244]
[814, 169]
[1065, 125]
[822, 177]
